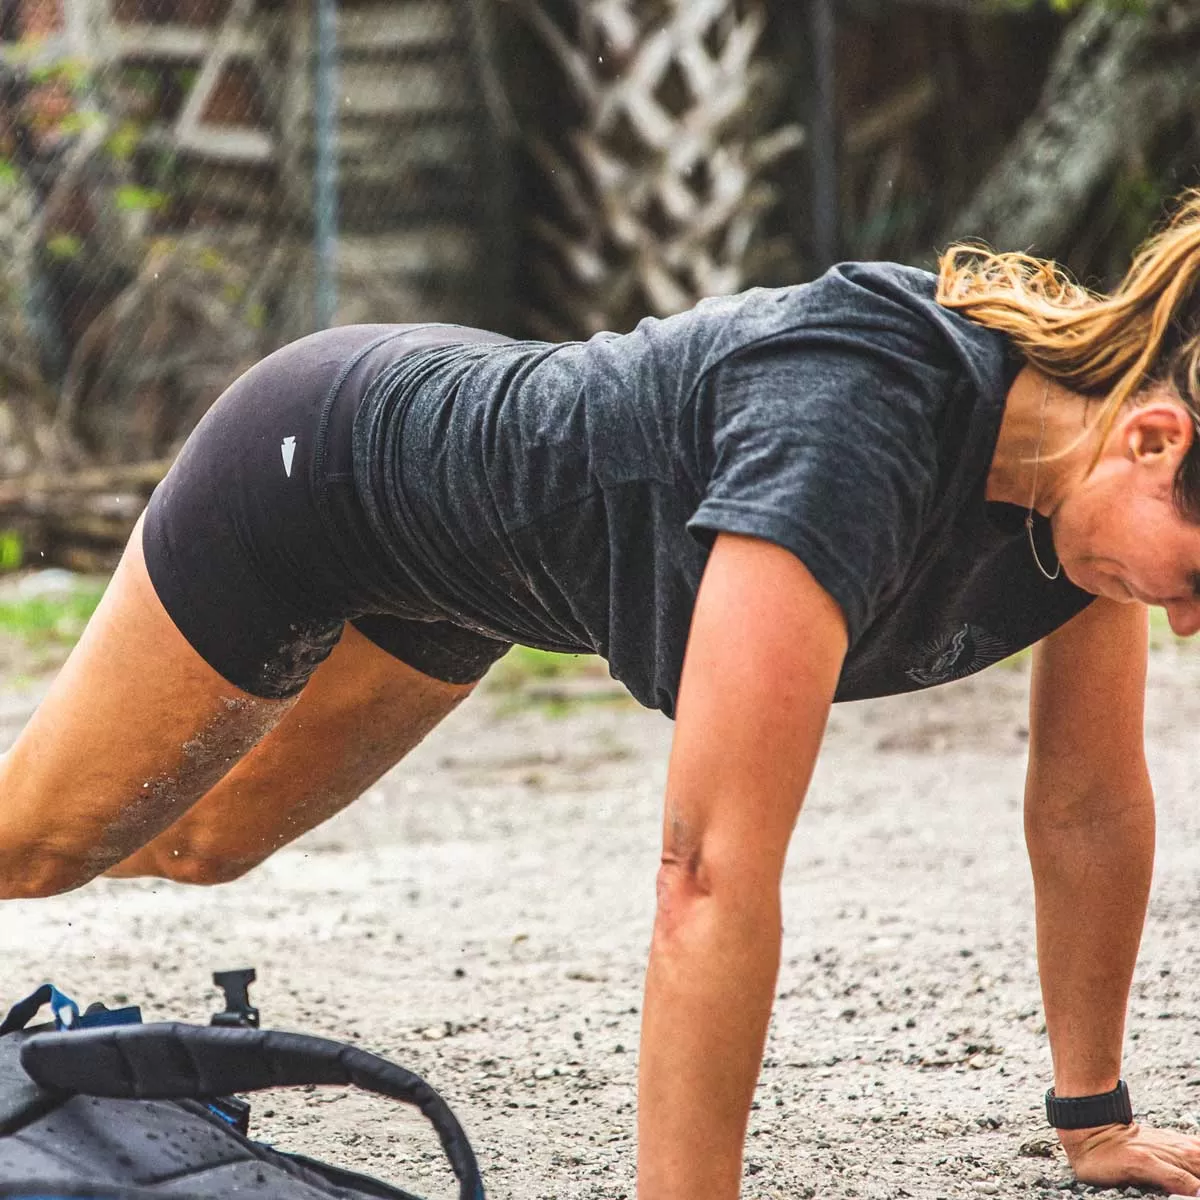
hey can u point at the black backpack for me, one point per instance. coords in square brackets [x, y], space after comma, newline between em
[99, 1106]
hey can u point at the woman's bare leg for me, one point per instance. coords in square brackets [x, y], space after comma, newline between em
[135, 729]
[361, 712]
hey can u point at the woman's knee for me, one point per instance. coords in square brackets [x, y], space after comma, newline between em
[34, 871]
[200, 867]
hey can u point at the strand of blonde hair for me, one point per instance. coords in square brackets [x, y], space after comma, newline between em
[1111, 345]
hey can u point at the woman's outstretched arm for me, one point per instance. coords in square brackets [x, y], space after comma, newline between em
[763, 659]
[1089, 826]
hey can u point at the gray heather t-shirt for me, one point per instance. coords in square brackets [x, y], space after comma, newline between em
[566, 496]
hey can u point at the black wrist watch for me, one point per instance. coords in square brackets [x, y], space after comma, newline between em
[1084, 1112]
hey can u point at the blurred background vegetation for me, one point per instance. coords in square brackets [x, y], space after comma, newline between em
[187, 184]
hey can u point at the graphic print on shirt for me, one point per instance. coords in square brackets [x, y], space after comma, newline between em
[289, 453]
[955, 655]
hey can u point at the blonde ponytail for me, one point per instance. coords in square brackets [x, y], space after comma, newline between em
[1146, 331]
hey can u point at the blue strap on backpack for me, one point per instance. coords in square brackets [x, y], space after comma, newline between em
[66, 1012]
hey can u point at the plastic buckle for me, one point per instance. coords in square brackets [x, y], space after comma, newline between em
[239, 1012]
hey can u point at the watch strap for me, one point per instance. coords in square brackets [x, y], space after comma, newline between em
[1085, 1112]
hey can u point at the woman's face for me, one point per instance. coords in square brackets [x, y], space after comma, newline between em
[1117, 531]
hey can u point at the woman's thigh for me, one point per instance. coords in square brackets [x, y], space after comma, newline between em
[360, 713]
[135, 728]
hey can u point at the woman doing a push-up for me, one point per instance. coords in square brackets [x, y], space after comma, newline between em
[865, 485]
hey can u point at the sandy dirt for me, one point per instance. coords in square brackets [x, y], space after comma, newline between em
[483, 916]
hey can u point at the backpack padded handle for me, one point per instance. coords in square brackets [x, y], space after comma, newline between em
[174, 1061]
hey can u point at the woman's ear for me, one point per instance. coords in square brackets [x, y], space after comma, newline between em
[1157, 433]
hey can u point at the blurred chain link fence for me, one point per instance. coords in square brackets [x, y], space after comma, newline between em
[168, 169]
[186, 185]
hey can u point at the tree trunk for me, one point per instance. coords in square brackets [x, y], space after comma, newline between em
[1119, 80]
[80, 520]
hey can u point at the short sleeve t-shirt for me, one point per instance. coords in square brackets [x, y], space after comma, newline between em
[567, 496]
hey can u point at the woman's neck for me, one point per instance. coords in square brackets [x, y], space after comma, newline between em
[1042, 418]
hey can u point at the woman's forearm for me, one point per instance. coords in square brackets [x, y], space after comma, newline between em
[1092, 864]
[713, 964]
[764, 654]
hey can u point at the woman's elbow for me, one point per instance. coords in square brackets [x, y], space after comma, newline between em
[683, 885]
[702, 889]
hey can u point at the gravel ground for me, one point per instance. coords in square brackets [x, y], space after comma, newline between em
[482, 916]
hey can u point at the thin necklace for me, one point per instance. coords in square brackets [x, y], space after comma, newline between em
[1037, 455]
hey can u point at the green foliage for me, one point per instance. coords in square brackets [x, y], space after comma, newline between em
[64, 246]
[55, 620]
[556, 684]
[73, 72]
[211, 260]
[77, 122]
[523, 663]
[131, 198]
[12, 549]
[123, 142]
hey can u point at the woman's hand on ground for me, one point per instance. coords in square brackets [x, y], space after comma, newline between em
[1116, 1155]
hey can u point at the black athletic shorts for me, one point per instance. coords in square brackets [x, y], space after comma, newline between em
[256, 541]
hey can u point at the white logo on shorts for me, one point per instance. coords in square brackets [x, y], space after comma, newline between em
[289, 453]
